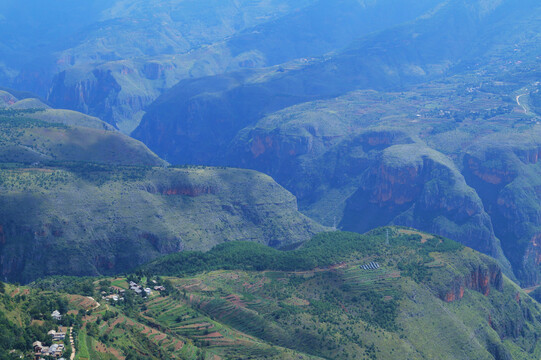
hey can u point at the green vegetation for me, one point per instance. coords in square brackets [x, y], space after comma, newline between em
[336, 309]
[323, 250]
[82, 348]
[25, 317]
[66, 284]
[428, 296]
[103, 203]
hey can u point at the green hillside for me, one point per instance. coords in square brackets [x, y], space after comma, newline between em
[78, 199]
[393, 293]
[430, 298]
[33, 135]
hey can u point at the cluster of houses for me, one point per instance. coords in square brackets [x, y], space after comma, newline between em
[370, 266]
[158, 287]
[139, 290]
[118, 296]
[55, 350]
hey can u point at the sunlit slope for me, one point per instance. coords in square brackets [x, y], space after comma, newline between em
[429, 298]
[103, 203]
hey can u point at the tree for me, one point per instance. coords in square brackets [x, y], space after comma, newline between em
[2, 288]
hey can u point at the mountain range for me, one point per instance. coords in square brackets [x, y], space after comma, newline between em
[81, 198]
[206, 180]
[427, 124]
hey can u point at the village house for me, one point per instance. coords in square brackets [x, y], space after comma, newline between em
[37, 345]
[57, 336]
[55, 350]
[139, 290]
[113, 297]
[159, 288]
[56, 315]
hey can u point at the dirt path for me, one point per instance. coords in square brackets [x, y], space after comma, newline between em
[97, 303]
[72, 344]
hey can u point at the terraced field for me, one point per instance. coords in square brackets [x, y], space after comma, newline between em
[333, 310]
[380, 280]
[181, 319]
[122, 332]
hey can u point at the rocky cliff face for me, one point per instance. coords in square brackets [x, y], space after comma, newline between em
[419, 187]
[481, 279]
[94, 201]
[505, 174]
[378, 177]
[83, 226]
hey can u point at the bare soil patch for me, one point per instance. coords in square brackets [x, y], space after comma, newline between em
[424, 237]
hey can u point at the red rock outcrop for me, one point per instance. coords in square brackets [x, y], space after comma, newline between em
[396, 185]
[280, 147]
[480, 279]
[487, 174]
[529, 156]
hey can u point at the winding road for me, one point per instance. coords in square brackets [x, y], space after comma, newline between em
[519, 104]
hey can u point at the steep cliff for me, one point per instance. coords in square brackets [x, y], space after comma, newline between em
[79, 198]
[359, 178]
[418, 187]
[505, 171]
[88, 221]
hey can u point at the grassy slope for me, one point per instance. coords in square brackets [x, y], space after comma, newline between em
[32, 135]
[345, 312]
[104, 201]
[421, 304]
[112, 219]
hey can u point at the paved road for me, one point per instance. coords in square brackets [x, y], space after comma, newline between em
[519, 104]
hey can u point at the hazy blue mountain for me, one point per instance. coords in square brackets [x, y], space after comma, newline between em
[369, 112]
[302, 124]
[110, 59]
[117, 61]
[440, 43]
